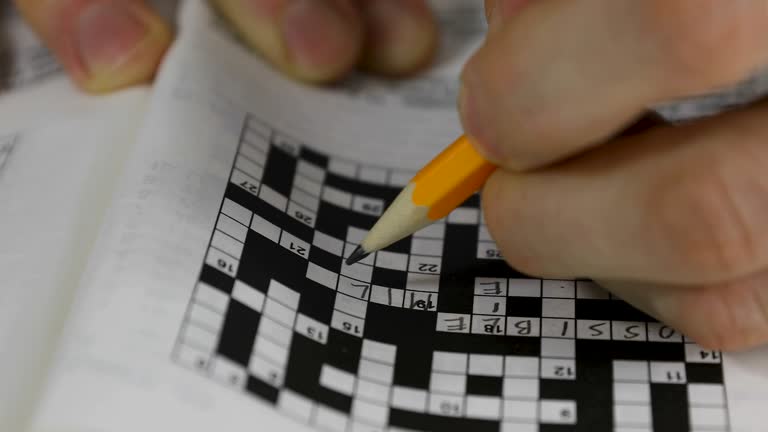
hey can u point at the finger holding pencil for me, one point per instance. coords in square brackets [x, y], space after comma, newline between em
[671, 219]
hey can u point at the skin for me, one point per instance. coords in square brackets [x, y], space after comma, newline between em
[670, 219]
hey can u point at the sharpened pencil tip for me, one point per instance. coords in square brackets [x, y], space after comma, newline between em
[357, 255]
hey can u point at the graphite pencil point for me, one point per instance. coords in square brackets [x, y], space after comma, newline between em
[357, 255]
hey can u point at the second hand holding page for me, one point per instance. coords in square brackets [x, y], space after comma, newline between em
[217, 296]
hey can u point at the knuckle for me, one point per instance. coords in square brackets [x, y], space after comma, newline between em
[704, 223]
[709, 43]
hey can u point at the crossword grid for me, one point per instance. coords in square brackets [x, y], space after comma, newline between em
[433, 333]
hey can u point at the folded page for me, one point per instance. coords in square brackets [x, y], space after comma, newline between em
[56, 181]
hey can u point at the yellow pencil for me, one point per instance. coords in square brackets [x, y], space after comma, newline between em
[441, 186]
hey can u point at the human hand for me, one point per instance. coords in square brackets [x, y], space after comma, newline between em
[670, 219]
[109, 44]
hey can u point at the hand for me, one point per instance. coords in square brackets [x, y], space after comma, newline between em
[109, 44]
[674, 219]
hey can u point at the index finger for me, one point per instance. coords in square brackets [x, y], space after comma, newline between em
[563, 75]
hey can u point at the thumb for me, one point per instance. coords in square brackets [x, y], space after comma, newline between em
[103, 44]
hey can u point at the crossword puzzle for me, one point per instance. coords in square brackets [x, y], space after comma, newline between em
[436, 332]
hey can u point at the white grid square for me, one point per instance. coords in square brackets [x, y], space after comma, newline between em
[372, 413]
[658, 332]
[379, 351]
[558, 288]
[558, 308]
[273, 197]
[337, 379]
[446, 405]
[491, 286]
[632, 415]
[593, 329]
[311, 328]
[486, 365]
[321, 275]
[358, 271]
[520, 410]
[706, 394]
[420, 300]
[328, 243]
[374, 175]
[211, 297]
[232, 227]
[278, 333]
[521, 388]
[453, 323]
[376, 371]
[310, 170]
[280, 313]
[372, 391]
[558, 348]
[350, 305]
[487, 305]
[434, 231]
[668, 372]
[464, 216]
[488, 324]
[227, 244]
[632, 392]
[556, 368]
[295, 404]
[521, 366]
[483, 407]
[428, 247]
[271, 351]
[387, 296]
[422, 282]
[524, 287]
[630, 370]
[265, 228]
[443, 361]
[355, 289]
[283, 294]
[558, 327]
[424, 264]
[356, 235]
[628, 331]
[309, 203]
[203, 316]
[523, 326]
[342, 167]
[557, 411]
[337, 197]
[409, 399]
[367, 205]
[392, 260]
[328, 419]
[448, 383]
[307, 185]
[248, 295]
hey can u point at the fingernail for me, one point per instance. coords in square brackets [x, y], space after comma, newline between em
[476, 123]
[316, 34]
[108, 35]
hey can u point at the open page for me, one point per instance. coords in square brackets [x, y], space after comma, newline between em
[216, 297]
[55, 182]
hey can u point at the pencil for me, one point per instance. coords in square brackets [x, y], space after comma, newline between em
[441, 186]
